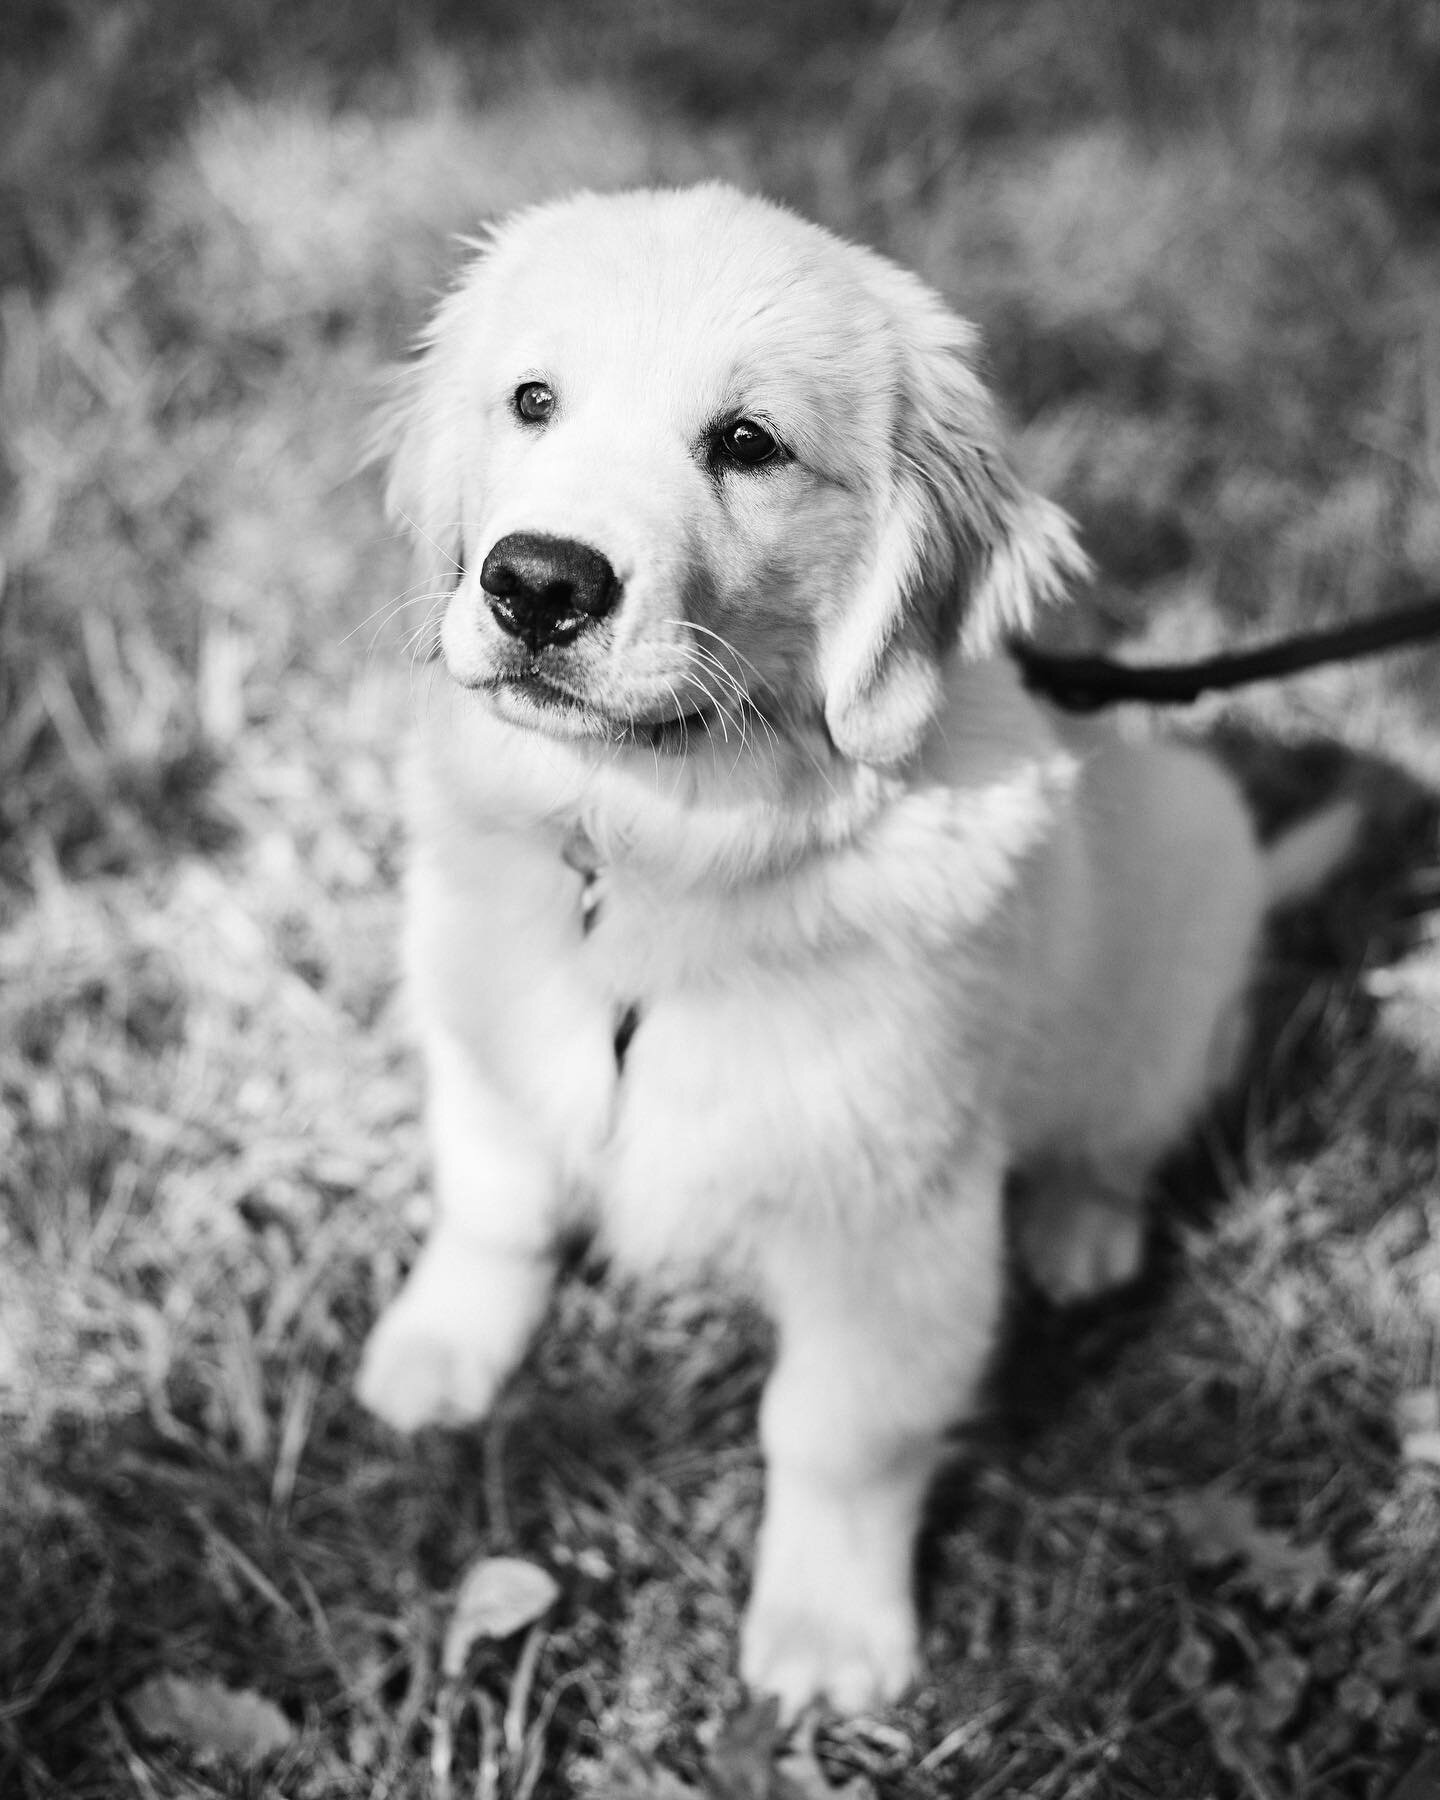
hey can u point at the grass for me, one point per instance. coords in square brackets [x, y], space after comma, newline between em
[1194, 1549]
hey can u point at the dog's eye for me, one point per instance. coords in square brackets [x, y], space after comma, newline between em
[534, 401]
[747, 443]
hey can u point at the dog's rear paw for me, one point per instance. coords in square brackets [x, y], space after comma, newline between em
[1078, 1241]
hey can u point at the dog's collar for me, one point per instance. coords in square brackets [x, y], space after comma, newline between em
[579, 853]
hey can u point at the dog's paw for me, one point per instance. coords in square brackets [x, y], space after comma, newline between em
[441, 1351]
[858, 1662]
[831, 1615]
[419, 1371]
[1077, 1243]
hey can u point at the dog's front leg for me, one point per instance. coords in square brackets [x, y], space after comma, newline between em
[883, 1337]
[481, 1281]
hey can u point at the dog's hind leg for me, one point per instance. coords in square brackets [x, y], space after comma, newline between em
[883, 1338]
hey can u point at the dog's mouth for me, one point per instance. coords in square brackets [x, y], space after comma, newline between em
[538, 700]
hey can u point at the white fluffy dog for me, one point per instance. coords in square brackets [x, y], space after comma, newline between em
[755, 910]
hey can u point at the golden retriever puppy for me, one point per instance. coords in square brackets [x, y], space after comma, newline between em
[755, 909]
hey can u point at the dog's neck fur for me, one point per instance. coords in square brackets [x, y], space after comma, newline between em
[714, 817]
[713, 814]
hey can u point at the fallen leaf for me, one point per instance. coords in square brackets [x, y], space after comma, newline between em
[210, 1718]
[1218, 1528]
[498, 1596]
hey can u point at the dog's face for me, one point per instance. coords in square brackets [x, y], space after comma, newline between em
[692, 464]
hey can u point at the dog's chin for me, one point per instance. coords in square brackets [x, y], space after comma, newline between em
[529, 700]
[538, 705]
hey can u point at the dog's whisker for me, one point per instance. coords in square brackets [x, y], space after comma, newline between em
[716, 705]
[434, 543]
[423, 640]
[738, 715]
[751, 710]
[708, 660]
[386, 615]
[746, 700]
[415, 636]
[433, 672]
[426, 629]
[387, 610]
[721, 711]
[745, 707]
[697, 655]
[741, 716]
[725, 644]
[681, 720]
[749, 707]
[417, 650]
[405, 530]
[691, 659]
[745, 716]
[751, 714]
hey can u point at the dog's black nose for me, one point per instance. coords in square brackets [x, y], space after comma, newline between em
[546, 590]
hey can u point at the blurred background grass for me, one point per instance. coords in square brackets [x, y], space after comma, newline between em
[1203, 241]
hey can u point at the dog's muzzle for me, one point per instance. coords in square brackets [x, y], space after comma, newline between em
[546, 590]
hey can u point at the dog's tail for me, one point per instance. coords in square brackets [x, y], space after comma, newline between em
[1301, 860]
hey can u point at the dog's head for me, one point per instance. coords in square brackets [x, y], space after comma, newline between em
[692, 464]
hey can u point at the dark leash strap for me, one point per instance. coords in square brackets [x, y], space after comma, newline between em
[1087, 683]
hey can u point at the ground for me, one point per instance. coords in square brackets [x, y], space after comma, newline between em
[1192, 1548]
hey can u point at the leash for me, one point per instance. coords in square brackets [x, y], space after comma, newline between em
[1085, 684]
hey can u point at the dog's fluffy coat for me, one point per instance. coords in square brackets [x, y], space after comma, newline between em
[767, 920]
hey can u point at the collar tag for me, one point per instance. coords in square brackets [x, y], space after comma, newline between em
[579, 854]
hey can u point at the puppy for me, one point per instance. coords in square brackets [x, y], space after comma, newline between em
[755, 909]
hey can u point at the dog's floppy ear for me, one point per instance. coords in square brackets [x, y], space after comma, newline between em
[962, 553]
[422, 484]
[419, 437]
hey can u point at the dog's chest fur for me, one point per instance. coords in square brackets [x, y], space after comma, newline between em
[760, 1082]
[703, 1056]
[700, 1051]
